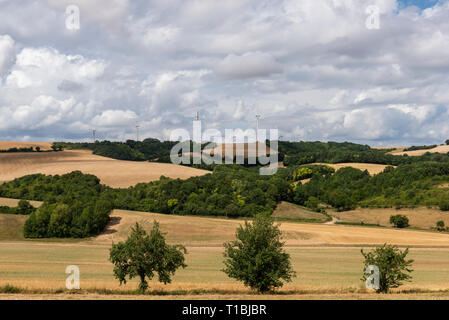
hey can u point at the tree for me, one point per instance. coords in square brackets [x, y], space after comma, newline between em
[141, 255]
[399, 221]
[440, 225]
[257, 257]
[447, 141]
[392, 264]
[24, 207]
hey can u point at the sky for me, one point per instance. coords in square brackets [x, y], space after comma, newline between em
[328, 70]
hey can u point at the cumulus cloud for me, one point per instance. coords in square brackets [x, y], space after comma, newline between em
[248, 65]
[115, 118]
[311, 68]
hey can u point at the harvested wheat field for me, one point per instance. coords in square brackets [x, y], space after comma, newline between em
[422, 217]
[241, 149]
[438, 149]
[326, 258]
[371, 167]
[205, 231]
[5, 145]
[114, 173]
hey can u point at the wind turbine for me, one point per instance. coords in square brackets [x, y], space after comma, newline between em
[94, 131]
[137, 131]
[257, 127]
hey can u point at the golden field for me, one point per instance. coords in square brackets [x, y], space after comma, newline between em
[421, 217]
[372, 168]
[114, 173]
[5, 145]
[437, 149]
[326, 258]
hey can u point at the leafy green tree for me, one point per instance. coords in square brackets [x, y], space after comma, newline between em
[257, 256]
[143, 255]
[24, 207]
[393, 266]
[399, 221]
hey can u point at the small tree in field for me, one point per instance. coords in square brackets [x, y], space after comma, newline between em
[393, 266]
[141, 255]
[399, 221]
[440, 225]
[257, 257]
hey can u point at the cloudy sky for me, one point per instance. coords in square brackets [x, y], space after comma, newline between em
[314, 69]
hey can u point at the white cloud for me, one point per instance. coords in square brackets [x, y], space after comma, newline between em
[115, 118]
[311, 68]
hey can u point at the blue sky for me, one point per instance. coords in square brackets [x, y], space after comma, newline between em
[423, 4]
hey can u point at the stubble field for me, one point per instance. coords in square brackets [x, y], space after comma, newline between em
[327, 260]
[114, 173]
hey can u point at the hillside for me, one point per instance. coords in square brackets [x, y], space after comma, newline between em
[439, 149]
[114, 173]
[5, 145]
[371, 167]
[212, 232]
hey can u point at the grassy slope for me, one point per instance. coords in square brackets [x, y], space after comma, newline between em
[291, 211]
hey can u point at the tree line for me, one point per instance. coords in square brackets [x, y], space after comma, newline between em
[73, 206]
[407, 185]
[77, 205]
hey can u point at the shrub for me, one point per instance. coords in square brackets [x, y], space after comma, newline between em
[399, 221]
[440, 225]
[392, 264]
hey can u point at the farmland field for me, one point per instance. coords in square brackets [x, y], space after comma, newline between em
[438, 149]
[326, 258]
[114, 173]
[5, 145]
[422, 217]
[372, 168]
